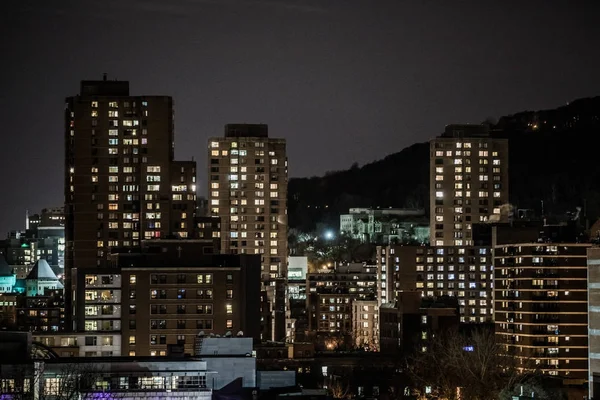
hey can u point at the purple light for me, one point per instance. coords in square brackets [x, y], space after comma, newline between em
[100, 395]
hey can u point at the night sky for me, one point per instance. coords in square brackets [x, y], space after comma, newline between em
[341, 80]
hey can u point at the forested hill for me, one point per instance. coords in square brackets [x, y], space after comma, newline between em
[553, 157]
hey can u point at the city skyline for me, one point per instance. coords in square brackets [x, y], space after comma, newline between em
[376, 80]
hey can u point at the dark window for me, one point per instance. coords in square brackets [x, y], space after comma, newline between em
[91, 340]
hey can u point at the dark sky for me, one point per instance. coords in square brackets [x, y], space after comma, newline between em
[341, 80]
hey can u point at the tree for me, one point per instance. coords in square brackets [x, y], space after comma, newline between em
[74, 381]
[455, 365]
[339, 389]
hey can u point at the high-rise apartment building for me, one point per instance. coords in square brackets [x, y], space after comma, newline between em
[593, 295]
[468, 183]
[122, 184]
[247, 188]
[541, 304]
[248, 179]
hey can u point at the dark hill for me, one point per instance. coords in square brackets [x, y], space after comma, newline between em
[553, 158]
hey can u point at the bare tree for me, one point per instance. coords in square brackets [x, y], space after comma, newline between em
[73, 382]
[473, 367]
[339, 390]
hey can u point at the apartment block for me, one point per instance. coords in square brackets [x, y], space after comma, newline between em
[248, 189]
[122, 184]
[365, 324]
[397, 272]
[330, 294]
[247, 186]
[176, 291]
[464, 273]
[593, 284]
[468, 183]
[541, 304]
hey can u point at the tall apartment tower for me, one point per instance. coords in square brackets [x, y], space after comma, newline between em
[468, 183]
[122, 184]
[247, 187]
[541, 304]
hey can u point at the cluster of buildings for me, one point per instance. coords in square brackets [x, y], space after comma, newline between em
[138, 275]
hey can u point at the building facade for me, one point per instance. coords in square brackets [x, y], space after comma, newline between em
[330, 295]
[247, 186]
[122, 184]
[172, 291]
[541, 306]
[464, 273]
[365, 324]
[468, 183]
[593, 284]
[385, 226]
[247, 181]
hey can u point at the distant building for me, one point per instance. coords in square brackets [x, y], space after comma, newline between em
[541, 302]
[42, 313]
[410, 323]
[465, 273]
[41, 279]
[386, 226]
[468, 183]
[297, 321]
[8, 277]
[330, 294]
[365, 324]
[8, 310]
[43, 238]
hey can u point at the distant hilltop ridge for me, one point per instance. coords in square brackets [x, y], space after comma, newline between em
[552, 161]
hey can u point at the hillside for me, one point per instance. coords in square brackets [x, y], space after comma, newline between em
[552, 158]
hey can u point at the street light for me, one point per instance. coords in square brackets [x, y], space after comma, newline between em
[329, 235]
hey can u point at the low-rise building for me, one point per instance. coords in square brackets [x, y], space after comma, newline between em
[409, 324]
[330, 294]
[386, 226]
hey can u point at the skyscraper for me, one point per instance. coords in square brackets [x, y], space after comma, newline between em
[247, 187]
[122, 184]
[468, 183]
